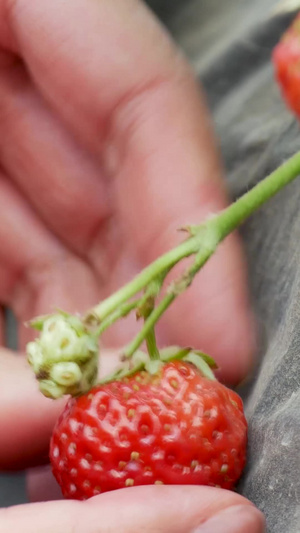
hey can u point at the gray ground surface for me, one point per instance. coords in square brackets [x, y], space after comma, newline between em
[229, 44]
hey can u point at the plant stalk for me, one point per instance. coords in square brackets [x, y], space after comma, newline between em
[207, 235]
[149, 324]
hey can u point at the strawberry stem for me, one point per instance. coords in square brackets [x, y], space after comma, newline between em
[145, 309]
[203, 242]
[151, 345]
[77, 343]
[148, 325]
[121, 312]
[166, 261]
[149, 335]
[173, 291]
[246, 205]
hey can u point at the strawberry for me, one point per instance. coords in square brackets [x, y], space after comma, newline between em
[286, 60]
[174, 427]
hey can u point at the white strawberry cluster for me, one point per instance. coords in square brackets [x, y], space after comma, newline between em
[64, 357]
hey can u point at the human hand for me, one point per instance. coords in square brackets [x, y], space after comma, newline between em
[26, 421]
[106, 149]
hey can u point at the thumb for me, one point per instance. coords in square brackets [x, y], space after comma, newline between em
[165, 509]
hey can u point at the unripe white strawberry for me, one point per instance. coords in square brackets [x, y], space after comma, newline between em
[64, 357]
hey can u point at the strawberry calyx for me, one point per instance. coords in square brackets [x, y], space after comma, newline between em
[142, 361]
[64, 357]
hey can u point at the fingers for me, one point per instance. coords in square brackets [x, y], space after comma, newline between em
[55, 173]
[170, 509]
[138, 108]
[37, 273]
[84, 57]
[41, 485]
[26, 416]
[148, 509]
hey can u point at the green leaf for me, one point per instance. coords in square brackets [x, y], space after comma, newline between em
[38, 322]
[173, 353]
[153, 366]
[127, 369]
[140, 357]
[201, 364]
[62, 312]
[209, 360]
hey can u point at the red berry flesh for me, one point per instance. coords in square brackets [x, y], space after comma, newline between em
[174, 428]
[286, 60]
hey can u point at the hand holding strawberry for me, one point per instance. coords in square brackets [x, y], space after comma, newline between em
[59, 234]
[138, 429]
[25, 429]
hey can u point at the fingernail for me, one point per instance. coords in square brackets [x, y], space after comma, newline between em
[235, 519]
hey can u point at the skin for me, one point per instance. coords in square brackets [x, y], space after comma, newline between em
[106, 148]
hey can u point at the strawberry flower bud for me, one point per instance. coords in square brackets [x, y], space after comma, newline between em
[66, 374]
[64, 357]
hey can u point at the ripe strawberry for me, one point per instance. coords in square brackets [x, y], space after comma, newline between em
[286, 60]
[176, 427]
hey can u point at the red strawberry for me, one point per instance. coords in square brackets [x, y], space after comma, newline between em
[286, 59]
[176, 427]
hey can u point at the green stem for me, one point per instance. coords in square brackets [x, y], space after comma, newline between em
[175, 289]
[216, 228]
[149, 324]
[239, 211]
[123, 311]
[146, 308]
[151, 345]
[150, 333]
[161, 264]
